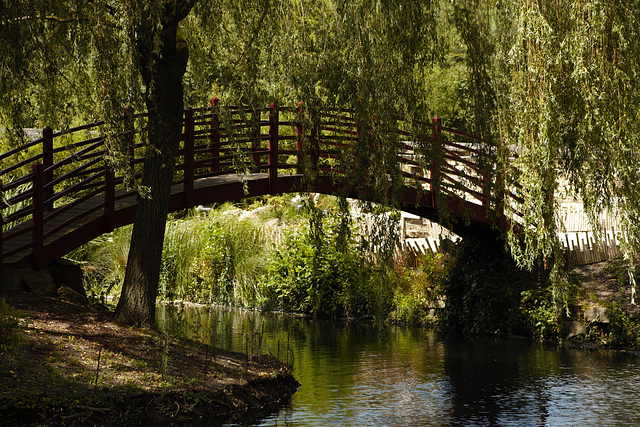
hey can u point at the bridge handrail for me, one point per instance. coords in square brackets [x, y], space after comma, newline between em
[268, 139]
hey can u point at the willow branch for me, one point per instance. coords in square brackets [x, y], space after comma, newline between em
[255, 33]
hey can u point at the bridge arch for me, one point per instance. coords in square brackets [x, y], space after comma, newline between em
[61, 191]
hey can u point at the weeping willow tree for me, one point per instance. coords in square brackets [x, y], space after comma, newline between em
[65, 62]
[74, 58]
[559, 81]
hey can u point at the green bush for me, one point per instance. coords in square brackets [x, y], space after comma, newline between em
[325, 278]
[419, 291]
[538, 314]
[623, 331]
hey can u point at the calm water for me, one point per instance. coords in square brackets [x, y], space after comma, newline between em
[361, 375]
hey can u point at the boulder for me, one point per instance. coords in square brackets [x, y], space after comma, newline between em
[39, 282]
[68, 273]
[597, 314]
[572, 328]
[68, 294]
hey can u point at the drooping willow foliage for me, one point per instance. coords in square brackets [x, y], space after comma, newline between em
[367, 56]
[558, 81]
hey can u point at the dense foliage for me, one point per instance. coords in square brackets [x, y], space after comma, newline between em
[483, 288]
[554, 81]
[266, 256]
[325, 277]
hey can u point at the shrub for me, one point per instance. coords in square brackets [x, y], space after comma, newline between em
[321, 275]
[538, 314]
[419, 291]
[623, 331]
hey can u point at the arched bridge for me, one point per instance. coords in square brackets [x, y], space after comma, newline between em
[61, 191]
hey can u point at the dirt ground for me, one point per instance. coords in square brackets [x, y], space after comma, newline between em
[604, 283]
[73, 366]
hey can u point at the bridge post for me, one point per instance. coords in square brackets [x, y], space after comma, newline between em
[315, 137]
[38, 212]
[255, 139]
[109, 198]
[300, 139]
[214, 137]
[128, 137]
[273, 148]
[189, 170]
[47, 160]
[436, 154]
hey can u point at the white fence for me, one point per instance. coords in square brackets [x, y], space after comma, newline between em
[579, 241]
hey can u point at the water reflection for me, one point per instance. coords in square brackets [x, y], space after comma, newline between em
[360, 375]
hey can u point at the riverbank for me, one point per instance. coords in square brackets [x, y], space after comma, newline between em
[74, 366]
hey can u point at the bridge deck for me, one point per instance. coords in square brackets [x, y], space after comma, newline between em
[78, 221]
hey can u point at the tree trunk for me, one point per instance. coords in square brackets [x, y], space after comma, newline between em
[164, 100]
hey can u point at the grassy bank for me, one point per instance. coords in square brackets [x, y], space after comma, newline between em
[71, 365]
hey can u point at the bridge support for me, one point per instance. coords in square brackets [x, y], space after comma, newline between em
[436, 154]
[189, 170]
[273, 148]
[484, 286]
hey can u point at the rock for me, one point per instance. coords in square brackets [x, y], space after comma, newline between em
[40, 282]
[12, 279]
[573, 328]
[68, 294]
[68, 273]
[597, 314]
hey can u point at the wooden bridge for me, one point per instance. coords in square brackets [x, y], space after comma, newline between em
[62, 190]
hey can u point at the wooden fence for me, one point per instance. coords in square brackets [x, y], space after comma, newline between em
[580, 242]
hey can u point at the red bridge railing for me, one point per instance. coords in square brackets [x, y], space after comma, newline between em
[54, 182]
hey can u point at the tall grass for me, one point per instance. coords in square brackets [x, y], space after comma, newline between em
[104, 261]
[213, 257]
[233, 257]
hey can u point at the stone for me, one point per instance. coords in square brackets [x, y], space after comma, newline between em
[597, 314]
[12, 279]
[68, 294]
[68, 273]
[40, 282]
[573, 328]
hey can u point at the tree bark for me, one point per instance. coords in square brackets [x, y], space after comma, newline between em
[162, 74]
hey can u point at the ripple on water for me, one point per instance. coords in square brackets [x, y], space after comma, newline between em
[360, 375]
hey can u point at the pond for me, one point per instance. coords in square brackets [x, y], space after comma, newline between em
[358, 374]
